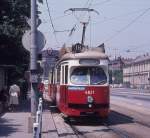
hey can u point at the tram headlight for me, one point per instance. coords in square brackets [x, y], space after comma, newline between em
[90, 99]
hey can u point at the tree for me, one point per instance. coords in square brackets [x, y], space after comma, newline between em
[12, 26]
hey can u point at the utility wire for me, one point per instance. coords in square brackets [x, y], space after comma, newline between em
[59, 17]
[82, 16]
[87, 4]
[119, 16]
[90, 22]
[52, 24]
[128, 25]
[90, 4]
[100, 3]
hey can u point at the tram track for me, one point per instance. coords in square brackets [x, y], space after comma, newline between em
[124, 134]
[64, 129]
[137, 117]
[142, 123]
[54, 122]
[134, 119]
[69, 129]
[78, 133]
[119, 132]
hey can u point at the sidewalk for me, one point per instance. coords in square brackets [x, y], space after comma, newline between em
[15, 124]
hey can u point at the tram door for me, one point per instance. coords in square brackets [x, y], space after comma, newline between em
[64, 82]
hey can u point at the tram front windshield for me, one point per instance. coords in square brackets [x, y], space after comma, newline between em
[88, 76]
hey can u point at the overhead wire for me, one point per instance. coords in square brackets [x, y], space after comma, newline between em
[51, 21]
[90, 22]
[60, 17]
[127, 26]
[87, 4]
[119, 16]
[135, 48]
[101, 3]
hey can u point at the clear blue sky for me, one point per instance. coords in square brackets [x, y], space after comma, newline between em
[121, 24]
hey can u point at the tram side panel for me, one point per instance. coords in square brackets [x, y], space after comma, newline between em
[75, 102]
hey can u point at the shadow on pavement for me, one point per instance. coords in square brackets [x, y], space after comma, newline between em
[6, 128]
[114, 118]
[7, 119]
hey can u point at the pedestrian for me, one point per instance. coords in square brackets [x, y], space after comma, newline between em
[14, 93]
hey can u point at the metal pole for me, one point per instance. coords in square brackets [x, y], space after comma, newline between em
[33, 59]
[83, 32]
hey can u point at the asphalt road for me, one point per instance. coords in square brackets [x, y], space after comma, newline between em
[131, 96]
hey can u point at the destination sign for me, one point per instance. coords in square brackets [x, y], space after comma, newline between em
[89, 61]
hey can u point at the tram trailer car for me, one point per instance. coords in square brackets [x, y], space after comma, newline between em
[79, 84]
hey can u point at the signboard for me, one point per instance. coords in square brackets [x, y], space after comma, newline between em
[89, 61]
[26, 40]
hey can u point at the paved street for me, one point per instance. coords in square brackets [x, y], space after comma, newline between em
[133, 97]
[129, 117]
[131, 91]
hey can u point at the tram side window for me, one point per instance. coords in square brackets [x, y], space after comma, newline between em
[66, 74]
[52, 78]
[62, 74]
[58, 74]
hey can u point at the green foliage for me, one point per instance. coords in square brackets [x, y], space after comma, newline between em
[118, 75]
[12, 26]
[40, 1]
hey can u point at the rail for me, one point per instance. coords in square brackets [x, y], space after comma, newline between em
[37, 126]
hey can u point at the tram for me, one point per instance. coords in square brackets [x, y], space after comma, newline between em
[79, 83]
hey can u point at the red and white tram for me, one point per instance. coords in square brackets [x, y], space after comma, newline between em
[79, 83]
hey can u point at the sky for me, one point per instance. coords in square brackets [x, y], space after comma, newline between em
[122, 25]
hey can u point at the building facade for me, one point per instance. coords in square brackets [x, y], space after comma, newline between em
[136, 73]
[49, 58]
[115, 71]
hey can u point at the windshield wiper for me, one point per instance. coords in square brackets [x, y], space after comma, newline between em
[100, 82]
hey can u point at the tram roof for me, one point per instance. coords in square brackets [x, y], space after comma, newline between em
[84, 55]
